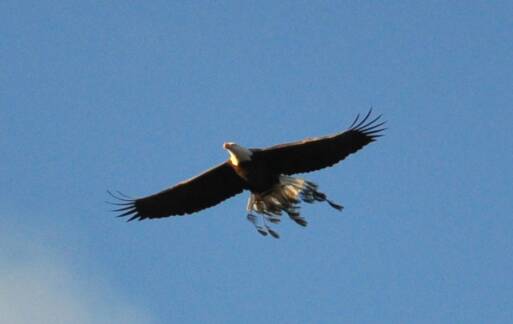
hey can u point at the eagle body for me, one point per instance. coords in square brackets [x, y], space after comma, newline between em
[265, 173]
[256, 174]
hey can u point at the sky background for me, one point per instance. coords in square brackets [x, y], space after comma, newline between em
[136, 96]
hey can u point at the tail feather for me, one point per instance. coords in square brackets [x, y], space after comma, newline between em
[335, 205]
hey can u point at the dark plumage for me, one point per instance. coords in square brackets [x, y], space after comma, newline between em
[186, 197]
[264, 172]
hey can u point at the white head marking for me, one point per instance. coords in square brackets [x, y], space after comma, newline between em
[237, 153]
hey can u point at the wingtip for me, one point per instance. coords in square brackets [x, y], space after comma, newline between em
[372, 128]
[120, 196]
[131, 211]
[359, 123]
[364, 119]
[354, 121]
[126, 206]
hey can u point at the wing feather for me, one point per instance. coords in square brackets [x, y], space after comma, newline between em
[317, 153]
[203, 191]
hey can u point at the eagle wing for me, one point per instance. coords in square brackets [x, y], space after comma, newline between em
[205, 190]
[317, 153]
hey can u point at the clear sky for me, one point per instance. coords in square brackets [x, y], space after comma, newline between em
[136, 96]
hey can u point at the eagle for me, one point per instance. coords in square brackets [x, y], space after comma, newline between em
[265, 172]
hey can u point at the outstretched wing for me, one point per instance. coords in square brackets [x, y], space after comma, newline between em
[203, 191]
[316, 153]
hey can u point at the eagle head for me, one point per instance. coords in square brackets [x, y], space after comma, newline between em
[237, 153]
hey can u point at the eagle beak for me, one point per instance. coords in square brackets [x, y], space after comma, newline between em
[226, 146]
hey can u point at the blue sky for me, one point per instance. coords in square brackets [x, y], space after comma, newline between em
[137, 96]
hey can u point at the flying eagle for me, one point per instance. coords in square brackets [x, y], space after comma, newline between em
[266, 173]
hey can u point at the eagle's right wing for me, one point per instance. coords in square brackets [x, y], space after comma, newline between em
[316, 153]
[203, 191]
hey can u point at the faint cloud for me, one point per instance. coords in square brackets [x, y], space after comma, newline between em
[41, 288]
